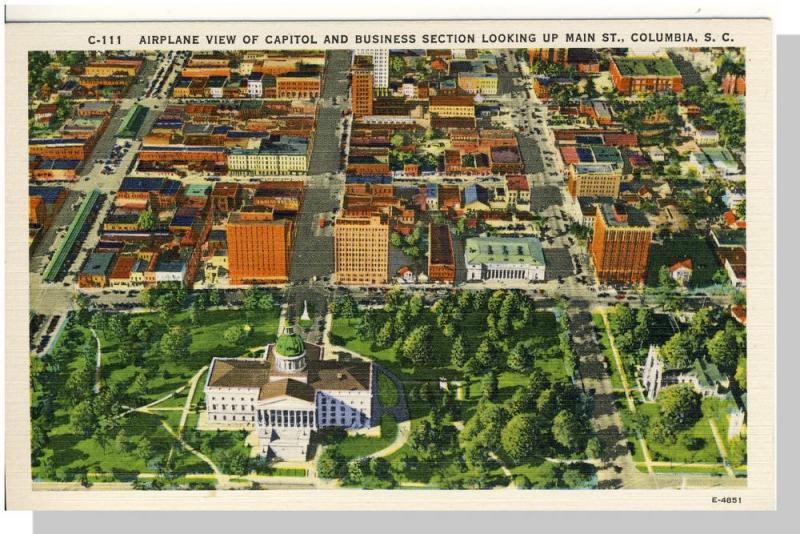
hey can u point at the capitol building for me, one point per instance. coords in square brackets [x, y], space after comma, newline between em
[289, 393]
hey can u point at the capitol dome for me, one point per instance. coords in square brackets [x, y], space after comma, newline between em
[290, 351]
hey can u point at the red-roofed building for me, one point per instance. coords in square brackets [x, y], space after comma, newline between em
[681, 271]
[120, 276]
[732, 221]
[519, 191]
[739, 313]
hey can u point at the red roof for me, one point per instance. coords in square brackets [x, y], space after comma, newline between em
[687, 263]
[122, 269]
[739, 313]
[517, 183]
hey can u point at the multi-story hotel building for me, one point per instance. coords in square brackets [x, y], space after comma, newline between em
[380, 61]
[593, 180]
[288, 394]
[620, 245]
[259, 246]
[362, 86]
[361, 249]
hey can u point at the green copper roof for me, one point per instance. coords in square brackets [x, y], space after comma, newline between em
[289, 344]
[504, 250]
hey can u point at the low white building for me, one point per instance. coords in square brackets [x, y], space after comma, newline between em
[288, 394]
[504, 259]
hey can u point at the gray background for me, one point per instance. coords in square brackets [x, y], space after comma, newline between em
[788, 79]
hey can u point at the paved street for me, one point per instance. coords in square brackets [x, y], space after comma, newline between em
[312, 254]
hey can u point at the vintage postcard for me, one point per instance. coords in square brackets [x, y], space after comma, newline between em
[466, 265]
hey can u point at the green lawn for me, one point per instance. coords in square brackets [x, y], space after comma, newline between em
[359, 446]
[207, 342]
[677, 452]
[388, 395]
[471, 329]
[72, 453]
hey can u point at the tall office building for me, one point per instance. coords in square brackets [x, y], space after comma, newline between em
[380, 60]
[361, 88]
[361, 249]
[259, 246]
[621, 245]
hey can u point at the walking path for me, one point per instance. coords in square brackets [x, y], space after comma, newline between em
[618, 361]
[194, 451]
[188, 404]
[721, 447]
[99, 362]
[628, 397]
[400, 413]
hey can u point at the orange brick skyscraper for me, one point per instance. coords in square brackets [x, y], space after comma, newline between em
[362, 86]
[620, 246]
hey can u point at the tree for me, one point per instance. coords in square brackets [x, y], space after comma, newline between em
[724, 348]
[417, 346]
[523, 400]
[458, 356]
[720, 277]
[146, 220]
[624, 320]
[194, 313]
[577, 476]
[236, 334]
[174, 344]
[741, 373]
[677, 351]
[384, 337]
[345, 306]
[485, 355]
[489, 385]
[82, 419]
[330, 463]
[215, 297]
[485, 426]
[741, 209]
[396, 240]
[594, 447]
[570, 430]
[521, 437]
[144, 449]
[122, 441]
[549, 476]
[257, 299]
[679, 407]
[644, 323]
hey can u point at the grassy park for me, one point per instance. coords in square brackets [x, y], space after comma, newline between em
[138, 442]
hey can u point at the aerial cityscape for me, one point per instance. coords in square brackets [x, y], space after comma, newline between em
[388, 269]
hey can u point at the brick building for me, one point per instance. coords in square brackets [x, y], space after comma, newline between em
[645, 74]
[259, 247]
[362, 86]
[620, 245]
[441, 262]
[361, 249]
